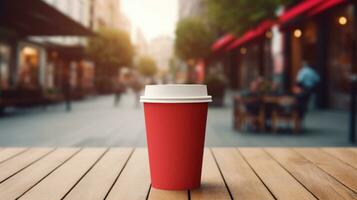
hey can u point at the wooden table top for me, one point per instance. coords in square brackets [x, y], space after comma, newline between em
[228, 173]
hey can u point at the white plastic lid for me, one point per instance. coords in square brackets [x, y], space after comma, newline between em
[176, 93]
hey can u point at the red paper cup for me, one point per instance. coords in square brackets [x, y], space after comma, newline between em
[175, 118]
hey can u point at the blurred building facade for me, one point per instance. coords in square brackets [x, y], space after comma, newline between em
[325, 41]
[107, 13]
[322, 33]
[66, 59]
[161, 49]
[42, 45]
[27, 50]
[190, 8]
[141, 43]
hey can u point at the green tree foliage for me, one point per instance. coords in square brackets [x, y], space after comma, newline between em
[111, 48]
[239, 15]
[147, 66]
[193, 39]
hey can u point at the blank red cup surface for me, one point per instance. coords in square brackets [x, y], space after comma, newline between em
[175, 137]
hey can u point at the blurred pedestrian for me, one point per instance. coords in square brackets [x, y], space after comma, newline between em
[307, 80]
[119, 89]
[307, 77]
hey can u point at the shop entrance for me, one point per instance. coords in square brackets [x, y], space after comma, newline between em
[28, 71]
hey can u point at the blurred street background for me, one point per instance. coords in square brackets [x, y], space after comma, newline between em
[94, 122]
[281, 72]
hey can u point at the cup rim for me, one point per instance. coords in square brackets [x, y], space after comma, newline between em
[176, 93]
[176, 99]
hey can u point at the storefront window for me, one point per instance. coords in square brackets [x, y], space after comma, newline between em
[28, 71]
[50, 72]
[73, 67]
[88, 75]
[339, 57]
[4, 66]
[249, 69]
[303, 48]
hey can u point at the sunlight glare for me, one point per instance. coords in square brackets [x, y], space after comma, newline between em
[153, 17]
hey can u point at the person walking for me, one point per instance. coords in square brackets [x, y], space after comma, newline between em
[119, 90]
[307, 80]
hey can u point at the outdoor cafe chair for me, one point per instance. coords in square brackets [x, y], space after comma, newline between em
[248, 112]
[286, 110]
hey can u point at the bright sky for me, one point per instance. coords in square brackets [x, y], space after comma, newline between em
[153, 17]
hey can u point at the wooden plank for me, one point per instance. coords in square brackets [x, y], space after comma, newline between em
[27, 178]
[59, 182]
[354, 149]
[156, 194]
[240, 178]
[346, 174]
[21, 161]
[134, 181]
[322, 185]
[99, 180]
[212, 183]
[8, 153]
[279, 181]
[343, 154]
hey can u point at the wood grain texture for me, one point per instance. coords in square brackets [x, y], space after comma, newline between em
[123, 173]
[346, 174]
[276, 178]
[59, 182]
[322, 185]
[27, 178]
[98, 181]
[21, 161]
[240, 178]
[156, 194]
[345, 155]
[134, 181]
[212, 183]
[354, 149]
[8, 153]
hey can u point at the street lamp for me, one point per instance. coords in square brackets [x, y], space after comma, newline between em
[297, 33]
[243, 50]
[29, 50]
[342, 20]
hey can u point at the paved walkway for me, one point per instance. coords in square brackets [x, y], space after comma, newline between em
[96, 122]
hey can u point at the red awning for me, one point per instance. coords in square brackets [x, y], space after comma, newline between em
[252, 34]
[298, 10]
[264, 26]
[327, 4]
[245, 38]
[222, 42]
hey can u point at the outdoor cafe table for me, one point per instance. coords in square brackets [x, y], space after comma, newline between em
[228, 173]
